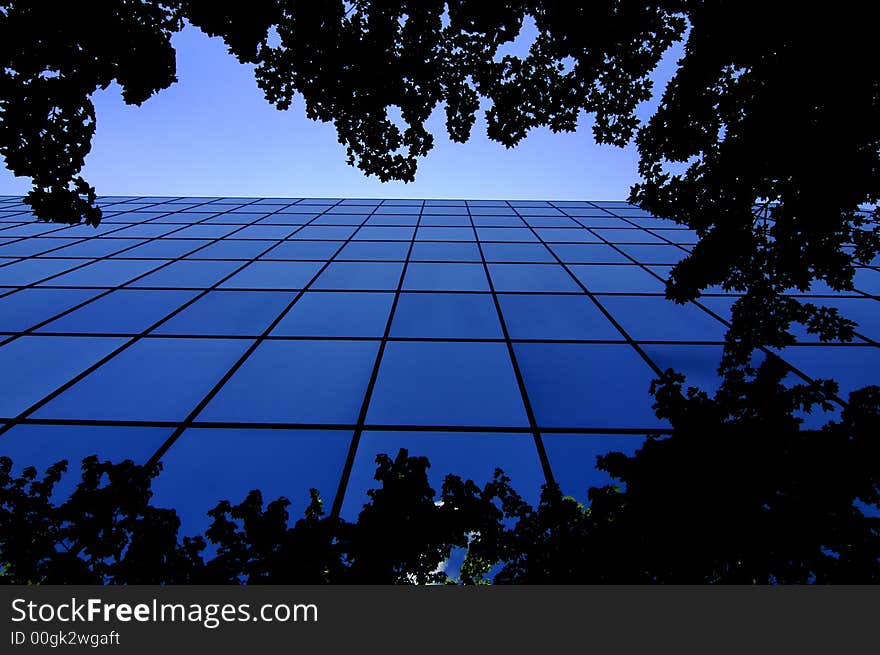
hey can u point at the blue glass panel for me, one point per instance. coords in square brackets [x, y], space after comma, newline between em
[325, 232]
[687, 237]
[147, 231]
[377, 250]
[35, 245]
[43, 445]
[297, 382]
[498, 221]
[552, 221]
[867, 280]
[668, 321]
[337, 315]
[446, 315]
[650, 254]
[384, 234]
[205, 231]
[303, 250]
[451, 252]
[445, 234]
[576, 253]
[601, 221]
[445, 277]
[184, 217]
[154, 379]
[587, 385]
[628, 235]
[97, 247]
[470, 455]
[189, 274]
[531, 277]
[164, 249]
[555, 317]
[517, 252]
[573, 459]
[446, 221]
[233, 313]
[451, 210]
[205, 466]
[33, 270]
[26, 308]
[699, 364]
[567, 235]
[379, 219]
[537, 211]
[35, 366]
[499, 209]
[105, 273]
[233, 250]
[437, 383]
[273, 275]
[853, 367]
[599, 279]
[33, 229]
[505, 234]
[124, 311]
[380, 276]
[264, 232]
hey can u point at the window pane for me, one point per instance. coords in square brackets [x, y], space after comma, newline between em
[297, 382]
[555, 317]
[232, 313]
[604, 279]
[587, 385]
[303, 250]
[337, 315]
[153, 380]
[439, 252]
[436, 383]
[445, 277]
[124, 311]
[573, 459]
[377, 250]
[531, 277]
[36, 366]
[205, 466]
[669, 321]
[362, 275]
[43, 445]
[105, 273]
[446, 315]
[25, 308]
[273, 275]
[189, 274]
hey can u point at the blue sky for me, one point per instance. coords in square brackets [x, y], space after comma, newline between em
[213, 134]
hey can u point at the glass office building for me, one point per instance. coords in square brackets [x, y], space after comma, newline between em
[282, 343]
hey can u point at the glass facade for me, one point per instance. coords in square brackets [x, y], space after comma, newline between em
[281, 343]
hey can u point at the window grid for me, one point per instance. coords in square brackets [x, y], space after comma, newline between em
[520, 229]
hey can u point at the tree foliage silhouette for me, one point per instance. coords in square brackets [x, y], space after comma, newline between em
[740, 493]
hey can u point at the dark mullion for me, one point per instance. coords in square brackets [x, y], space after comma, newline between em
[336, 427]
[527, 404]
[339, 498]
